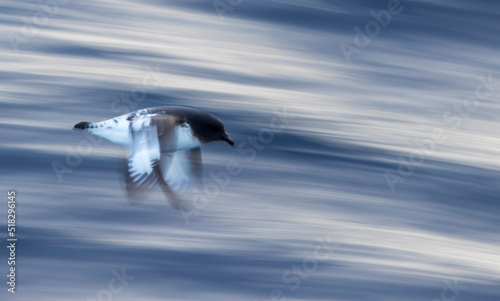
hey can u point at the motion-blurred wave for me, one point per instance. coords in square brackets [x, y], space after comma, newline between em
[353, 129]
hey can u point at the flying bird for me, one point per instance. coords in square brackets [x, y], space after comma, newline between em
[164, 149]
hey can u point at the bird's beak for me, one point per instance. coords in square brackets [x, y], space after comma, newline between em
[228, 139]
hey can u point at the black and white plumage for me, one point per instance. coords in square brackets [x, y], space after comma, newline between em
[164, 149]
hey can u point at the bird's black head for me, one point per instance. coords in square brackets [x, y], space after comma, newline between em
[208, 128]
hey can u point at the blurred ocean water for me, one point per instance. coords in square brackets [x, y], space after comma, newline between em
[367, 163]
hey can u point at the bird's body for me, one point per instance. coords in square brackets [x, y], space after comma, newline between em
[165, 148]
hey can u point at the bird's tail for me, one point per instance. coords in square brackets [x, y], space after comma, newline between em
[95, 126]
[82, 125]
[115, 130]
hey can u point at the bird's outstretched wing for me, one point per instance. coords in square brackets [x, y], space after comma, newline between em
[179, 173]
[182, 173]
[140, 178]
[147, 134]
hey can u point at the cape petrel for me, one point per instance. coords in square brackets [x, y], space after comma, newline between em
[165, 149]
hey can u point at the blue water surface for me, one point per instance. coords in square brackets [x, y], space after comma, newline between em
[374, 175]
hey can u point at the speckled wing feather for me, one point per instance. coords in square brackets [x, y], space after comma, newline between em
[148, 133]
